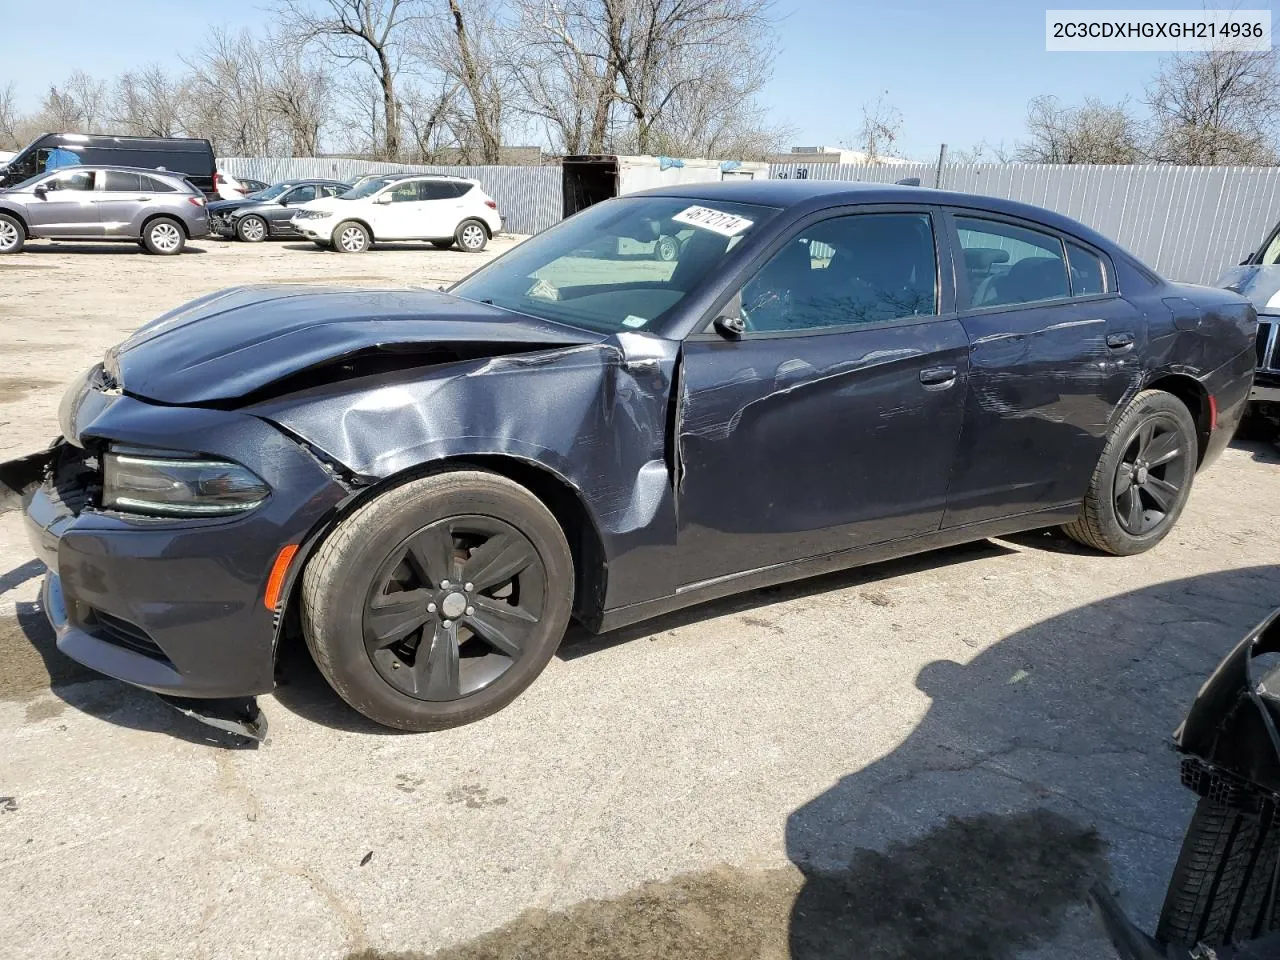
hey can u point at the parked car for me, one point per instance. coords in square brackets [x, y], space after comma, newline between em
[442, 210]
[428, 485]
[1258, 278]
[270, 212]
[160, 211]
[192, 159]
[1221, 898]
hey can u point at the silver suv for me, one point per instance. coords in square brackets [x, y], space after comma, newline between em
[158, 210]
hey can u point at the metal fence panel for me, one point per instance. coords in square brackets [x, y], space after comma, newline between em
[1189, 223]
[529, 198]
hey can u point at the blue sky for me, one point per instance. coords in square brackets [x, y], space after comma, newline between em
[958, 72]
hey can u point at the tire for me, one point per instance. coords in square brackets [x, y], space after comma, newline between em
[163, 237]
[666, 248]
[442, 244]
[351, 237]
[1220, 883]
[1109, 519]
[471, 236]
[347, 585]
[251, 229]
[13, 235]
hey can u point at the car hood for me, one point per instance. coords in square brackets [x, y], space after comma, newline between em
[238, 342]
[227, 206]
[1261, 284]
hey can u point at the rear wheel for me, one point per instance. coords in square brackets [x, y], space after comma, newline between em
[440, 601]
[252, 229]
[351, 237]
[471, 236]
[12, 234]
[1143, 478]
[163, 237]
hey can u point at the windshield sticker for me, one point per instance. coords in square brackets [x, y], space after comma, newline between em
[632, 320]
[725, 224]
[543, 290]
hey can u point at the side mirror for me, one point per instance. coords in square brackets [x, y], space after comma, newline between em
[382, 198]
[731, 327]
[40, 190]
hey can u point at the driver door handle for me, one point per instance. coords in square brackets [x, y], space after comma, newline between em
[937, 378]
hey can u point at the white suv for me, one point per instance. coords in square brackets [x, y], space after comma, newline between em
[442, 210]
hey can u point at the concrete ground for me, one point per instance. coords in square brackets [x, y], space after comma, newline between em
[922, 759]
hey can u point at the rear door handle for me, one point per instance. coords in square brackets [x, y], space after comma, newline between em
[937, 378]
[1119, 342]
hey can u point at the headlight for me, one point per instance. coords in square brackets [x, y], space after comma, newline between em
[177, 485]
[311, 215]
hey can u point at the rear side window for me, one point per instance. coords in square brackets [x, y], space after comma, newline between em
[1087, 275]
[866, 268]
[436, 190]
[330, 191]
[157, 186]
[1007, 265]
[120, 182]
[461, 189]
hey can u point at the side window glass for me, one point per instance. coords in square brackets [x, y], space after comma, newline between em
[1271, 256]
[1087, 275]
[404, 192]
[435, 190]
[1007, 265]
[866, 268]
[302, 194]
[118, 182]
[333, 191]
[460, 189]
[152, 185]
[77, 180]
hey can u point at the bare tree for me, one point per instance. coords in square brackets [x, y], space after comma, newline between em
[371, 33]
[1216, 107]
[1094, 132]
[299, 98]
[565, 70]
[150, 103]
[78, 105]
[881, 128]
[10, 118]
[425, 113]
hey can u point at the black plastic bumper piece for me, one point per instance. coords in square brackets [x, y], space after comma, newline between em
[238, 715]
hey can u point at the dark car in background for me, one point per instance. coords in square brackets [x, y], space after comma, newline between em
[159, 211]
[269, 213]
[1258, 278]
[189, 158]
[428, 485]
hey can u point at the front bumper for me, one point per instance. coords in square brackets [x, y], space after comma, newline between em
[174, 605]
[314, 229]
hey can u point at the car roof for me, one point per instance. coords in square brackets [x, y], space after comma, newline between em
[817, 194]
[118, 168]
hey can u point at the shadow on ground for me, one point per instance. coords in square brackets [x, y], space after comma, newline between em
[1039, 768]
[123, 247]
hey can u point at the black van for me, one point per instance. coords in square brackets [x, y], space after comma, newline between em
[192, 159]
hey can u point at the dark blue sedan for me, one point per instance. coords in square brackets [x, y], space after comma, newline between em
[429, 486]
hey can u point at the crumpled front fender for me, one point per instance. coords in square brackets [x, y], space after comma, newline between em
[1232, 723]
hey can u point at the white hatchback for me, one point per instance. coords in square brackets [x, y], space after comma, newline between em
[442, 210]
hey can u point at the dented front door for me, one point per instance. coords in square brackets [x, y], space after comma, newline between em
[799, 446]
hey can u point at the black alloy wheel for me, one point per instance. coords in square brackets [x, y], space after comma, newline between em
[1142, 479]
[1150, 476]
[438, 601]
[454, 606]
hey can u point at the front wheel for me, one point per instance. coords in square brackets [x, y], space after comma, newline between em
[1143, 478]
[440, 601]
[252, 229]
[12, 234]
[471, 236]
[351, 237]
[163, 237]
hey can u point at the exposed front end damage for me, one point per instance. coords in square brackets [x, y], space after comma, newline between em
[1224, 898]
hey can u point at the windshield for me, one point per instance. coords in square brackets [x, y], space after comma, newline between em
[270, 193]
[619, 265]
[366, 189]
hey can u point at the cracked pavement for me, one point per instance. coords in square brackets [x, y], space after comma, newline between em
[722, 760]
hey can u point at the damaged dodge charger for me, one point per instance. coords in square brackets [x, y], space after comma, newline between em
[428, 486]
